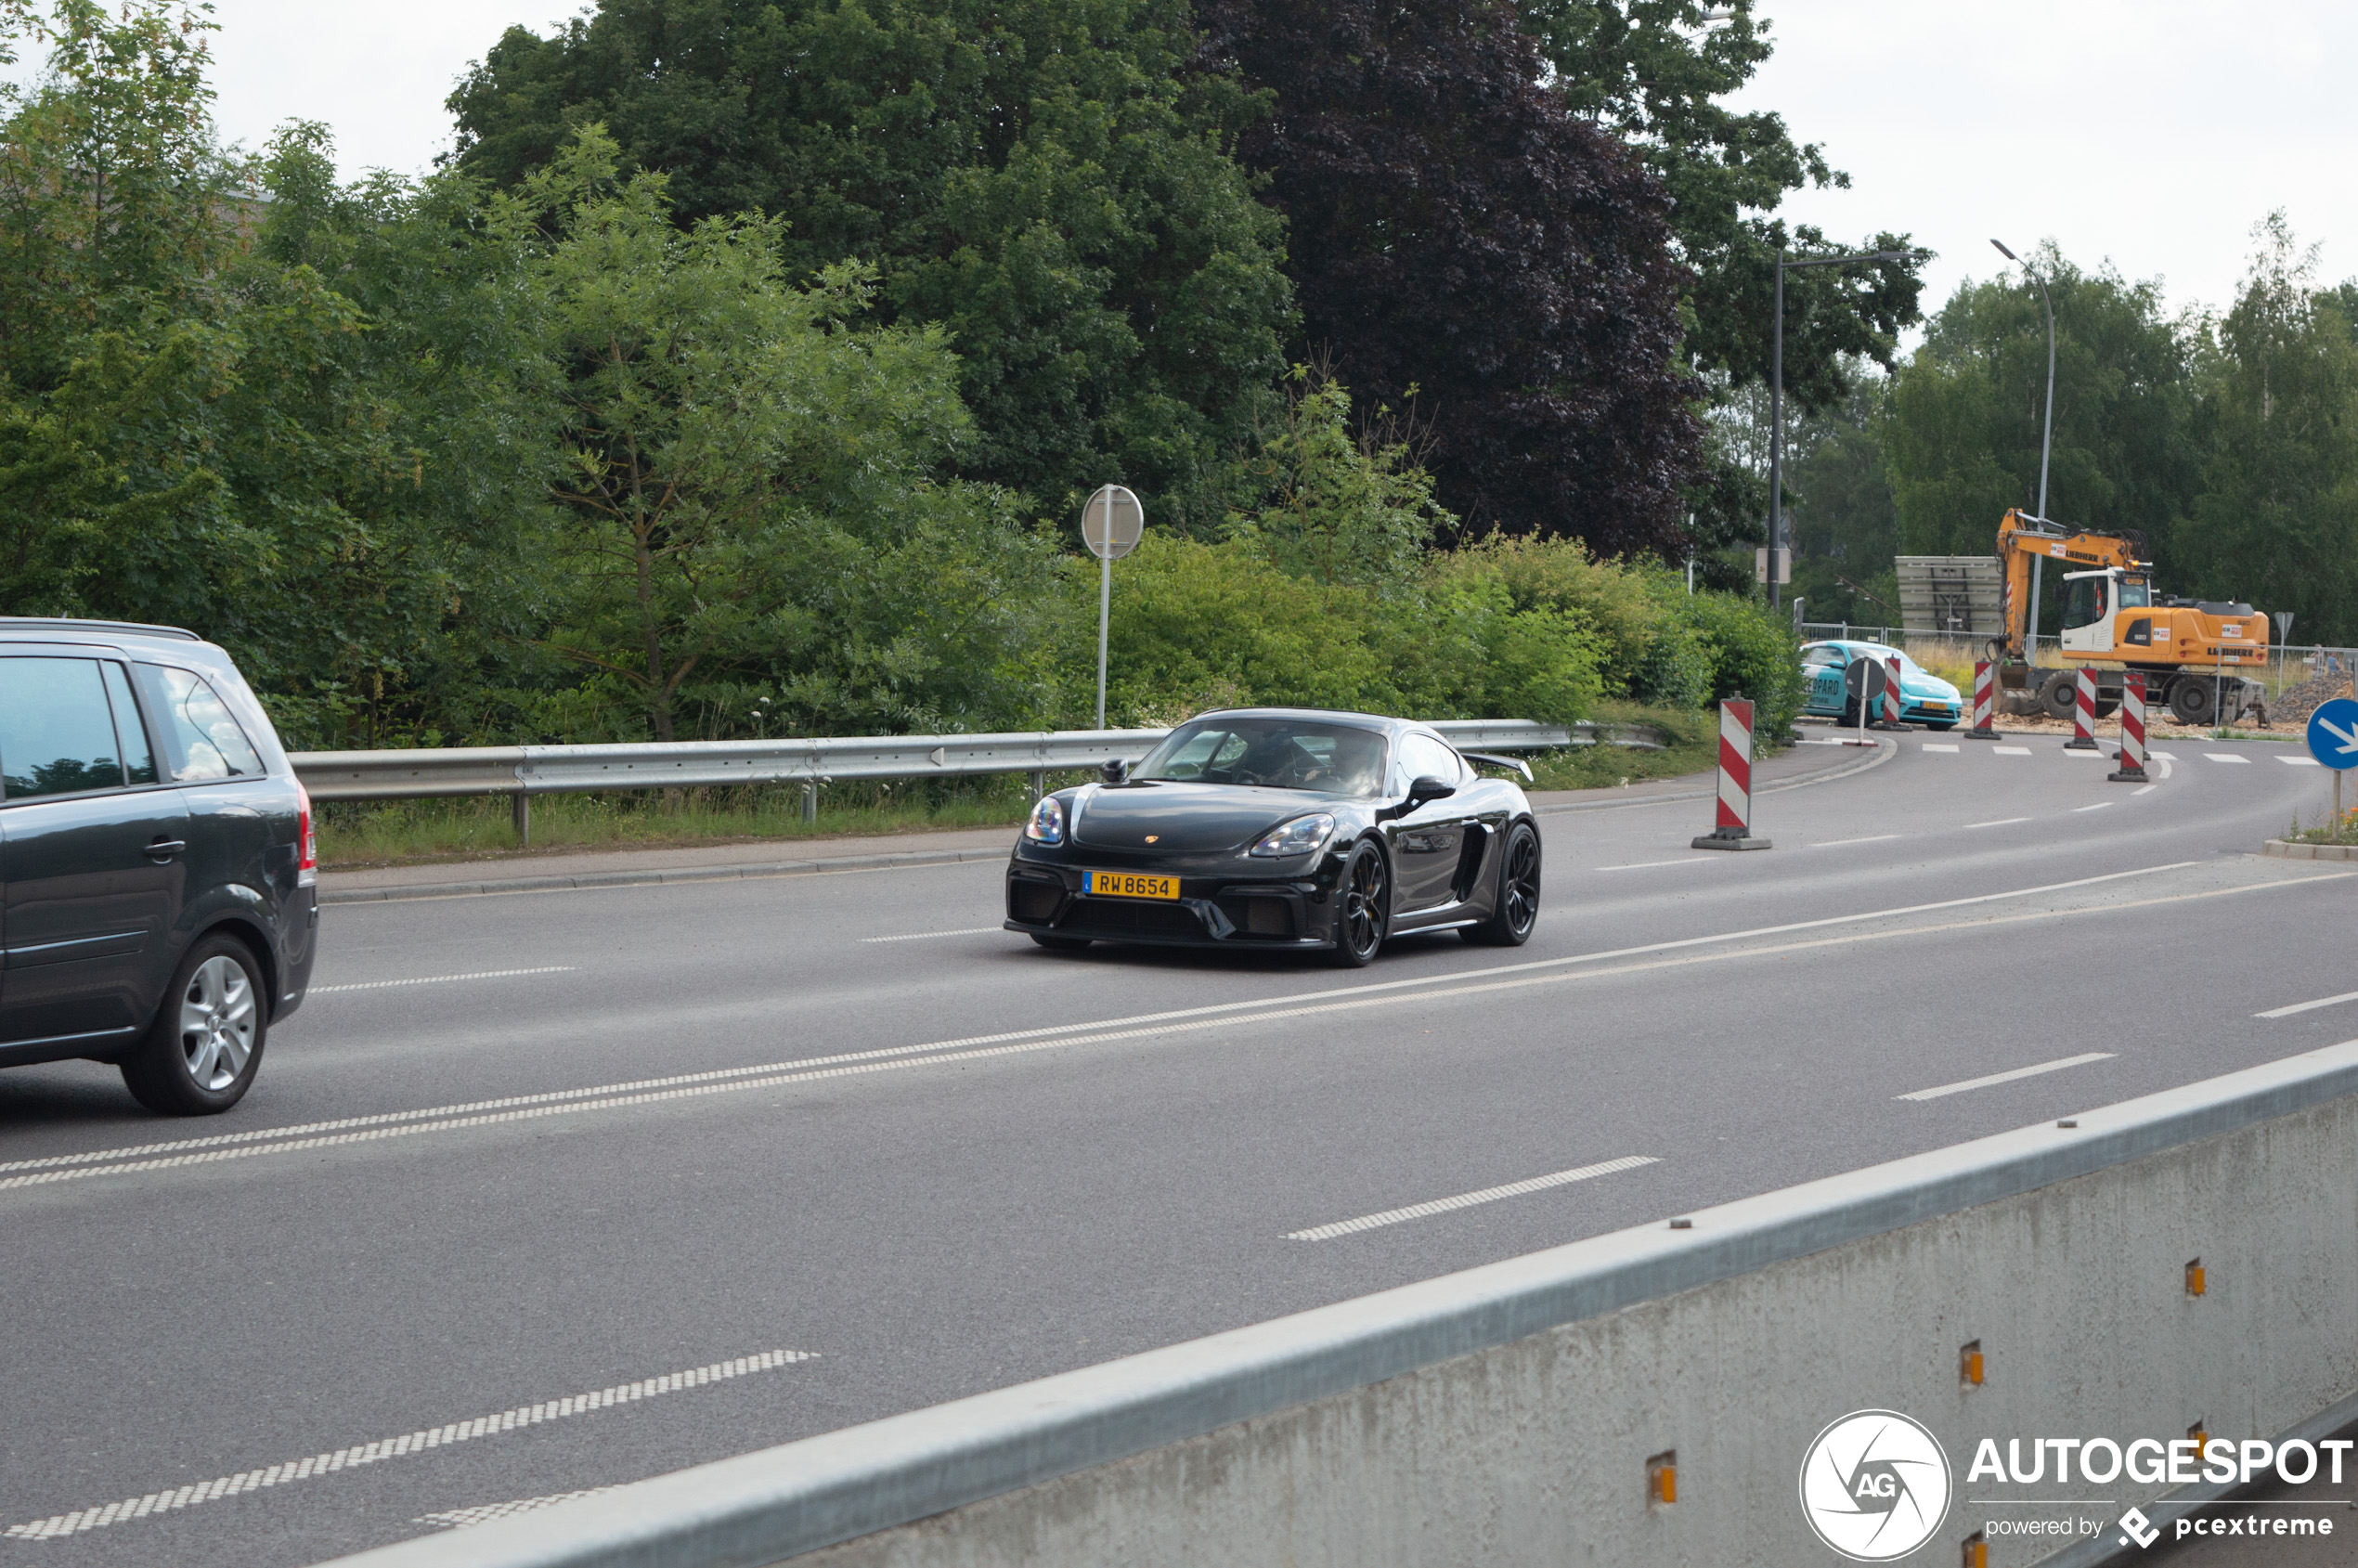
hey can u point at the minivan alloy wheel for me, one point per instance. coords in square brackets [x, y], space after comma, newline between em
[216, 1023]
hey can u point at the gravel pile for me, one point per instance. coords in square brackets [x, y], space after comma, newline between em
[2295, 703]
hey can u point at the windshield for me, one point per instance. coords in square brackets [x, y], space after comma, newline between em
[1280, 752]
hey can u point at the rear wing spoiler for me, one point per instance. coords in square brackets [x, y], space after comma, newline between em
[1512, 764]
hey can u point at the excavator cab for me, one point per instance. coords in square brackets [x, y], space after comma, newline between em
[2093, 602]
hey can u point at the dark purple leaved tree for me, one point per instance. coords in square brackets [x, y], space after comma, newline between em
[1455, 229]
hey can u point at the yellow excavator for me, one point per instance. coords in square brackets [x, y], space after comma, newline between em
[2190, 651]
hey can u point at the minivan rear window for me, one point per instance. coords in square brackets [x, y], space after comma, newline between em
[57, 735]
[201, 741]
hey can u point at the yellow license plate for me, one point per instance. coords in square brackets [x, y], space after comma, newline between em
[1128, 885]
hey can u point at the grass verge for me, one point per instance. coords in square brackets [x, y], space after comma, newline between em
[1693, 747]
[356, 833]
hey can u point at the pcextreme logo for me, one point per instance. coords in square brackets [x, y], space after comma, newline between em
[1874, 1486]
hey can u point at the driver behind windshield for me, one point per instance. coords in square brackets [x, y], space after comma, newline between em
[1332, 759]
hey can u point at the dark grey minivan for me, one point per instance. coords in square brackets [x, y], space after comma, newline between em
[158, 861]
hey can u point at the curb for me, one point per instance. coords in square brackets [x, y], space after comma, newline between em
[642, 878]
[2286, 849]
[1885, 751]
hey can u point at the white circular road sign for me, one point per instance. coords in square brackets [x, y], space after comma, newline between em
[1111, 522]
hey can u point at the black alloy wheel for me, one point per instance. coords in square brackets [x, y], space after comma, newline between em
[1515, 910]
[1365, 895]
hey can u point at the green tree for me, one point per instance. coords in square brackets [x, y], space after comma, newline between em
[1659, 73]
[1964, 432]
[732, 445]
[1036, 177]
[1338, 504]
[2277, 521]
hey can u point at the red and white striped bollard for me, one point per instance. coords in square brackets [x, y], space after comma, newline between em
[2084, 713]
[1985, 701]
[1891, 694]
[1733, 830]
[2132, 730]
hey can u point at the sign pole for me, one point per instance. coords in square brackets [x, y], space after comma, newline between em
[1105, 619]
[1118, 521]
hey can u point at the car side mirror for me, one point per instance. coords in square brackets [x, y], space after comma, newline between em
[1113, 770]
[1430, 788]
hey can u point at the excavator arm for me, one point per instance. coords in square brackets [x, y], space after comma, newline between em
[2023, 538]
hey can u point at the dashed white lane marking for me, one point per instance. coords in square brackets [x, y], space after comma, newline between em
[441, 979]
[2097, 807]
[2308, 1006]
[1648, 865]
[2224, 756]
[386, 1448]
[770, 1075]
[1934, 746]
[2300, 761]
[2010, 750]
[921, 936]
[484, 1513]
[2094, 754]
[1468, 1200]
[1838, 843]
[2163, 756]
[2056, 1065]
[2001, 822]
[2143, 789]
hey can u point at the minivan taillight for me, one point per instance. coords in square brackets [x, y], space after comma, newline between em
[306, 843]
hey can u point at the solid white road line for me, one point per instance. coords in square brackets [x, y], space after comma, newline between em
[2001, 822]
[2056, 1065]
[2143, 789]
[440, 980]
[922, 935]
[1468, 1200]
[1838, 843]
[1648, 865]
[2010, 750]
[385, 1448]
[2308, 1006]
[2097, 807]
[2224, 756]
[484, 1513]
[2300, 761]
[770, 1075]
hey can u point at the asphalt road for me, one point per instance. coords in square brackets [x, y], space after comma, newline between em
[520, 1148]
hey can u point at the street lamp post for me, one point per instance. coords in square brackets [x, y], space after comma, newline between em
[2046, 444]
[1776, 397]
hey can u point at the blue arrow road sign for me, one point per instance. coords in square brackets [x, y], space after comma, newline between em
[2333, 734]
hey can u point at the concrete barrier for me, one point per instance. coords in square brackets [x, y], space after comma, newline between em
[1509, 1414]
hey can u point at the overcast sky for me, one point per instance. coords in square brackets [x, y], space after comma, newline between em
[2153, 133]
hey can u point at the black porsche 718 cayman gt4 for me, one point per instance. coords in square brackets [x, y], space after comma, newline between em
[1282, 828]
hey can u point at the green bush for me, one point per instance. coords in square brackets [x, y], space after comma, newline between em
[1753, 655]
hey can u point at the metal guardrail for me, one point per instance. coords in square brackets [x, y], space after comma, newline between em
[764, 1507]
[526, 771]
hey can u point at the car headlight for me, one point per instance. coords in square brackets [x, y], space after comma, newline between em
[1047, 824]
[1298, 837]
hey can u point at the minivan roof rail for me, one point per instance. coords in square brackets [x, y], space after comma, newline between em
[40, 623]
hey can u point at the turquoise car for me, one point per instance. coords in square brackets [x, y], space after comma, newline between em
[1923, 698]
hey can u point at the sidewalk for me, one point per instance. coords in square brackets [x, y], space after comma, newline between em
[1807, 763]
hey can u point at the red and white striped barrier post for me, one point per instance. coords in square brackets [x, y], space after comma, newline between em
[1734, 827]
[1985, 701]
[2132, 730]
[1891, 694]
[2084, 713]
